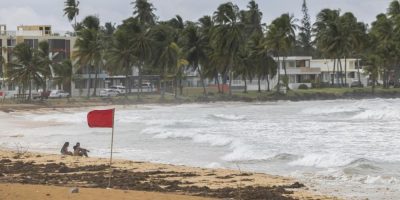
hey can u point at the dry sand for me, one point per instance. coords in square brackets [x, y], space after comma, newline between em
[53, 171]
[40, 192]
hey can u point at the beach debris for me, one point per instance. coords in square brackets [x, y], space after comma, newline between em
[95, 176]
[63, 169]
[74, 190]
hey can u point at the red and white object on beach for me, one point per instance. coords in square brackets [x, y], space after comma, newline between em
[101, 118]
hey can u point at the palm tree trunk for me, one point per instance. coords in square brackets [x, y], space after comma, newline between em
[95, 81]
[140, 79]
[230, 81]
[202, 81]
[279, 76]
[30, 88]
[358, 71]
[180, 86]
[89, 81]
[259, 84]
[217, 79]
[245, 85]
[341, 72]
[333, 72]
[345, 70]
[176, 87]
[286, 77]
[163, 84]
[126, 82]
[268, 88]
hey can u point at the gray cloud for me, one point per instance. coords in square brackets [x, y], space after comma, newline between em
[30, 12]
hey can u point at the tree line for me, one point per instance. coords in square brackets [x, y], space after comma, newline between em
[231, 43]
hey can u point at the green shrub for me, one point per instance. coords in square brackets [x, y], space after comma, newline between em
[303, 87]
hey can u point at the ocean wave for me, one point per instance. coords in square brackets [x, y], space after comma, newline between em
[79, 117]
[227, 117]
[194, 135]
[284, 157]
[239, 151]
[322, 160]
[331, 110]
[379, 114]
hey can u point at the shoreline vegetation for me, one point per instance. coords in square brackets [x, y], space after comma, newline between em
[193, 95]
[52, 176]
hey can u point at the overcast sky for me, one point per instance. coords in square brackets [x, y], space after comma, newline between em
[30, 12]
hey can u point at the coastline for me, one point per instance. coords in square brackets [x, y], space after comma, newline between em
[297, 95]
[28, 169]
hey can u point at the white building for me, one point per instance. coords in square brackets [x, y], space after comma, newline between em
[350, 69]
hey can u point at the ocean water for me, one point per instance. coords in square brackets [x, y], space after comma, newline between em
[348, 148]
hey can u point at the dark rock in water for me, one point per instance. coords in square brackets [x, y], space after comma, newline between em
[74, 190]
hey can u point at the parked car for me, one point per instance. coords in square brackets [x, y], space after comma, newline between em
[146, 87]
[356, 84]
[58, 94]
[108, 92]
[119, 88]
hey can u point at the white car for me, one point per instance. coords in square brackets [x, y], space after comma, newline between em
[119, 88]
[108, 92]
[58, 94]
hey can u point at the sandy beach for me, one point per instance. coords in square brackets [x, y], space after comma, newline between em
[50, 176]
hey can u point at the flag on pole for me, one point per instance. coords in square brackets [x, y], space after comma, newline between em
[101, 118]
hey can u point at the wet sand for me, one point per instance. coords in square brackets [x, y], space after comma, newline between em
[55, 175]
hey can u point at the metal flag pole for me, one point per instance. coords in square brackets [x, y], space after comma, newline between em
[112, 142]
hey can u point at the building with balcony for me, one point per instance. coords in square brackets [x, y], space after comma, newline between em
[330, 71]
[298, 71]
[60, 47]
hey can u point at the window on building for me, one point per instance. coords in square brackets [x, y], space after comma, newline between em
[80, 84]
[59, 49]
[11, 42]
[33, 43]
[351, 75]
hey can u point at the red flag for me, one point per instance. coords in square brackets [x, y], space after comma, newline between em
[101, 118]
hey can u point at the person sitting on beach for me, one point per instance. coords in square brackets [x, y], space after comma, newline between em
[64, 149]
[79, 151]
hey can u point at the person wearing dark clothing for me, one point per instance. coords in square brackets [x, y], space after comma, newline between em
[64, 149]
[79, 151]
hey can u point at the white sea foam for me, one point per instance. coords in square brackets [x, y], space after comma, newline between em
[228, 116]
[379, 114]
[79, 117]
[331, 110]
[322, 160]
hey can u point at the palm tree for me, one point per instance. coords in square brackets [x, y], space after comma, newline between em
[280, 39]
[227, 38]
[265, 66]
[142, 43]
[169, 58]
[90, 48]
[63, 73]
[46, 62]
[121, 55]
[25, 68]
[327, 35]
[71, 10]
[383, 30]
[394, 9]
[196, 46]
[143, 11]
[165, 54]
